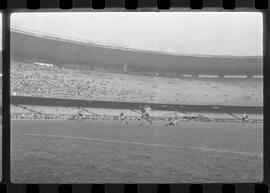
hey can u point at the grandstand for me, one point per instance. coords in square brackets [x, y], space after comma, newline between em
[30, 79]
[81, 70]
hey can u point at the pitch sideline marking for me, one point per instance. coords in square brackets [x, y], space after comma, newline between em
[253, 154]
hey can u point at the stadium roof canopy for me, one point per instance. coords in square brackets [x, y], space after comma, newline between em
[63, 51]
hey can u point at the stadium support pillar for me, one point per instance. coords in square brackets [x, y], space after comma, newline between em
[221, 76]
[125, 68]
[249, 76]
[195, 76]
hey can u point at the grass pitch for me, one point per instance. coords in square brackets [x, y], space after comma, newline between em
[111, 152]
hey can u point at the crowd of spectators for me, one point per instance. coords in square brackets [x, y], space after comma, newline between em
[33, 79]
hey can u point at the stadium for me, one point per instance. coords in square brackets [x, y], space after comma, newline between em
[52, 78]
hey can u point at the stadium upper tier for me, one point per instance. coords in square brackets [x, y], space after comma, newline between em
[31, 79]
[63, 51]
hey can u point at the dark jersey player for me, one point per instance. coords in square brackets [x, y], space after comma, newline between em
[80, 115]
[172, 122]
[244, 118]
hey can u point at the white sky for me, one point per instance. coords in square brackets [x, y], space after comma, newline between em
[208, 33]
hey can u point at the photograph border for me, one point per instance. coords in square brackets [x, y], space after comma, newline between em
[46, 6]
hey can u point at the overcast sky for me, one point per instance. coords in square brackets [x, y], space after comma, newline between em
[212, 33]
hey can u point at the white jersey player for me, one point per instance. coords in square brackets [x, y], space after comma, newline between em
[146, 114]
[123, 118]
